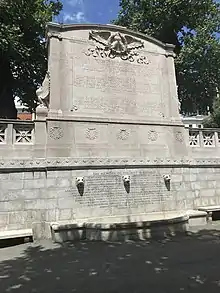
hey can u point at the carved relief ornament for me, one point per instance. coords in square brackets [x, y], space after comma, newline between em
[179, 136]
[54, 35]
[43, 92]
[152, 135]
[56, 132]
[60, 162]
[91, 133]
[123, 134]
[111, 44]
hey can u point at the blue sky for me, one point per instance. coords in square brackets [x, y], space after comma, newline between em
[88, 11]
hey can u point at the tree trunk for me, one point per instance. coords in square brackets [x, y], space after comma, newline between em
[7, 105]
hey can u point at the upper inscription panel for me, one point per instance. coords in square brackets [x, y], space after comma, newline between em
[106, 71]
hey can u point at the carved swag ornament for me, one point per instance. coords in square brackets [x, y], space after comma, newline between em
[114, 45]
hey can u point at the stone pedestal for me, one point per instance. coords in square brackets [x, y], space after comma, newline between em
[41, 131]
[41, 113]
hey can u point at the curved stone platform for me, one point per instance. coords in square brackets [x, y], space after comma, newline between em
[133, 227]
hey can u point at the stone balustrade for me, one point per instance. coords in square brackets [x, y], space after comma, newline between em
[206, 137]
[16, 132]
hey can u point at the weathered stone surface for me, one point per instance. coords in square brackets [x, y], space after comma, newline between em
[104, 195]
[16, 233]
[113, 112]
[133, 88]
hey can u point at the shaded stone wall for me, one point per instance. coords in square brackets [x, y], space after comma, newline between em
[35, 197]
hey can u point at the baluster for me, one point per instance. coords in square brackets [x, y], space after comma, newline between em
[201, 138]
[9, 134]
[216, 139]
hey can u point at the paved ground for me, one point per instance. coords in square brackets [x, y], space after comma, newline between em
[186, 264]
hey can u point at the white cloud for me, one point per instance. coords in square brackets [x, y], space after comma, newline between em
[74, 11]
[74, 3]
[78, 17]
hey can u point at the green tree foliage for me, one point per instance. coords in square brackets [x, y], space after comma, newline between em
[213, 120]
[193, 27]
[22, 50]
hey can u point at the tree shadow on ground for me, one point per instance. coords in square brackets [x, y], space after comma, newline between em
[182, 264]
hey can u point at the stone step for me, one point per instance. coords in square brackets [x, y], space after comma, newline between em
[196, 214]
[20, 233]
[209, 208]
[167, 225]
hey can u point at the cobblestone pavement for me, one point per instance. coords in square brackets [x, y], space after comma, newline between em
[183, 264]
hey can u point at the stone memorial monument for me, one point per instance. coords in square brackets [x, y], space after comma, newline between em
[111, 93]
[111, 106]
[108, 144]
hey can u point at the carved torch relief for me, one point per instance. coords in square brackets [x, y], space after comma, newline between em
[116, 45]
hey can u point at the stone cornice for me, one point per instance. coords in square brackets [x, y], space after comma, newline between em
[102, 163]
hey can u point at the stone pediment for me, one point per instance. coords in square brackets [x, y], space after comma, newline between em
[106, 31]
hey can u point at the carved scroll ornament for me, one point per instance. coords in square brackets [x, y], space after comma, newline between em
[113, 45]
[43, 92]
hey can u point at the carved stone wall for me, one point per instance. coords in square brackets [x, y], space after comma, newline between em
[107, 70]
[113, 111]
[113, 94]
[128, 84]
[36, 193]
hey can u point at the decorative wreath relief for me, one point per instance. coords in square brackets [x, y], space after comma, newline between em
[152, 135]
[179, 136]
[56, 132]
[123, 134]
[91, 133]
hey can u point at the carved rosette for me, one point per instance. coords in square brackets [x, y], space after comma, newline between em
[111, 45]
[152, 135]
[56, 132]
[123, 134]
[91, 133]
